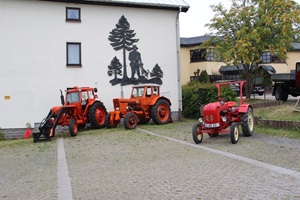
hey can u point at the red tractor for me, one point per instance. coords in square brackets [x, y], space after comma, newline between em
[79, 107]
[217, 117]
[145, 103]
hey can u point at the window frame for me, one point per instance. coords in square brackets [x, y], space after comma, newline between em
[267, 57]
[202, 55]
[73, 19]
[79, 54]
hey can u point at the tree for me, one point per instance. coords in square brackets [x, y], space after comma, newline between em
[122, 37]
[157, 72]
[115, 67]
[251, 27]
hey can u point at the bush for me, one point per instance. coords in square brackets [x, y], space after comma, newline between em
[195, 93]
[204, 78]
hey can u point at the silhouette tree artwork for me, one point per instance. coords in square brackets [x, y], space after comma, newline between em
[115, 68]
[122, 38]
[157, 73]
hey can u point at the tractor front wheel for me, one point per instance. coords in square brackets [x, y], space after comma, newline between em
[97, 114]
[130, 120]
[234, 133]
[248, 123]
[197, 134]
[161, 112]
[73, 127]
[110, 124]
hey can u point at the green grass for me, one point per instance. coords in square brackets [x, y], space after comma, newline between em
[283, 112]
[278, 132]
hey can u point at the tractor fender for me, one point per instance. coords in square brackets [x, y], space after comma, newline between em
[153, 102]
[244, 108]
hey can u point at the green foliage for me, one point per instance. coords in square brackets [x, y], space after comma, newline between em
[226, 91]
[2, 136]
[194, 92]
[204, 78]
[250, 28]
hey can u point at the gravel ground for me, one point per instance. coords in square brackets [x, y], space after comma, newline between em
[120, 164]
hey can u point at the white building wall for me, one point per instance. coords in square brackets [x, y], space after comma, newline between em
[33, 41]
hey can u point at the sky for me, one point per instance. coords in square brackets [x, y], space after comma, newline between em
[192, 23]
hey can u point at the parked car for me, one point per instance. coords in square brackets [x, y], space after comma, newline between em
[258, 90]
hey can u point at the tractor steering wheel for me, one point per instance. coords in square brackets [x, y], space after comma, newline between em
[222, 98]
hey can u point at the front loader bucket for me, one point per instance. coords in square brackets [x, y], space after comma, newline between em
[46, 128]
[40, 137]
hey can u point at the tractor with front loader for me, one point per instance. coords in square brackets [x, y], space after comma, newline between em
[145, 103]
[80, 106]
[224, 116]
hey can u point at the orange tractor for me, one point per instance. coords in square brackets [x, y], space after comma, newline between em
[145, 103]
[79, 107]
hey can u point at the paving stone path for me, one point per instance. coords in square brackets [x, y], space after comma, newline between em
[152, 162]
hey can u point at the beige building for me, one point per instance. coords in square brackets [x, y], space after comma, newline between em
[193, 58]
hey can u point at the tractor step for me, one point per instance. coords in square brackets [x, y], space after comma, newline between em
[40, 137]
[146, 113]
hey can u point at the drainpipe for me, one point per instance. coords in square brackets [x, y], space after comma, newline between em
[178, 67]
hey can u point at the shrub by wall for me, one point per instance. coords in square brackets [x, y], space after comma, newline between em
[195, 93]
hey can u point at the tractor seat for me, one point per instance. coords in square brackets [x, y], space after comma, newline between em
[230, 103]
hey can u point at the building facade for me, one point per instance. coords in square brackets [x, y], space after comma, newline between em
[51, 45]
[193, 58]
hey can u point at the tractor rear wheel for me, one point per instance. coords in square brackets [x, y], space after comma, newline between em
[130, 120]
[234, 133]
[247, 120]
[161, 112]
[73, 127]
[197, 134]
[97, 114]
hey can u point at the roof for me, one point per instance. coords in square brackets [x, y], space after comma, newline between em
[235, 70]
[180, 5]
[193, 41]
[196, 41]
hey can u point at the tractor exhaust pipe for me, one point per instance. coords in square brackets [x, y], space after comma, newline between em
[62, 99]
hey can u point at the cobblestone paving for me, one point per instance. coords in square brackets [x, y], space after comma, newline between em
[28, 170]
[120, 164]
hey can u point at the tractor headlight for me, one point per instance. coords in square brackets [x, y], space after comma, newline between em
[129, 108]
[117, 108]
[200, 120]
[224, 119]
[222, 103]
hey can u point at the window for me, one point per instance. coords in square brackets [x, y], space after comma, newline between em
[73, 54]
[210, 54]
[199, 55]
[73, 14]
[73, 97]
[267, 57]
